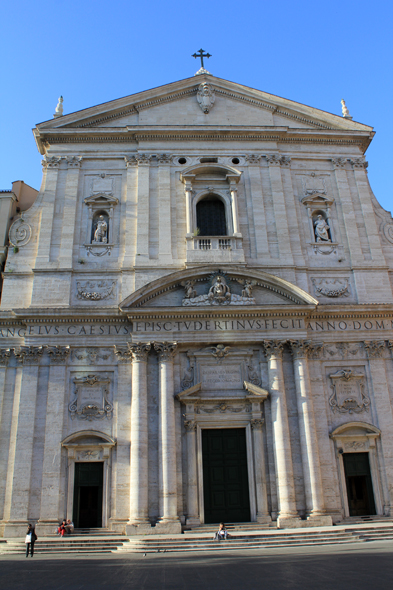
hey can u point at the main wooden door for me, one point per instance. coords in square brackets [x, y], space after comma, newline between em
[359, 484]
[88, 495]
[225, 475]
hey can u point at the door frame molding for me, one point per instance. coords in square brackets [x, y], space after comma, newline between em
[236, 423]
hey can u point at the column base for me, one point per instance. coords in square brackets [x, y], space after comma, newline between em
[168, 527]
[118, 525]
[47, 526]
[289, 522]
[14, 528]
[144, 528]
[193, 521]
[264, 519]
[319, 520]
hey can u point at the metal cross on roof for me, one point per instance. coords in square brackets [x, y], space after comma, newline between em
[201, 54]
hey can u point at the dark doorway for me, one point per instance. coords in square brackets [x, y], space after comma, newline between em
[359, 484]
[88, 495]
[225, 475]
[211, 217]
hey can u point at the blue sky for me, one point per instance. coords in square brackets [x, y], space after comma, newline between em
[92, 52]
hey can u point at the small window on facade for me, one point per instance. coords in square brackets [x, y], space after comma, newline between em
[211, 217]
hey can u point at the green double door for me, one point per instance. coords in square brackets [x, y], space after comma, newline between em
[359, 484]
[88, 495]
[225, 475]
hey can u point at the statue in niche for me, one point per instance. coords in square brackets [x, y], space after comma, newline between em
[219, 291]
[321, 229]
[101, 231]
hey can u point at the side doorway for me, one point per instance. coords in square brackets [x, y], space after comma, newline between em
[88, 492]
[359, 484]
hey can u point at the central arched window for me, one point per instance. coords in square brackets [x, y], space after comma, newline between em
[211, 220]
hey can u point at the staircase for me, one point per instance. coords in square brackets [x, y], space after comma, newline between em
[83, 544]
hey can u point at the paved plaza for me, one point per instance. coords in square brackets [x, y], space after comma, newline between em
[323, 568]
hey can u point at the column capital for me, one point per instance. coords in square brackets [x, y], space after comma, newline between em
[51, 162]
[190, 425]
[359, 163]
[253, 158]
[285, 161]
[28, 354]
[5, 354]
[374, 348]
[273, 348]
[139, 351]
[58, 354]
[164, 159]
[257, 423]
[300, 348]
[130, 161]
[273, 159]
[166, 350]
[339, 163]
[124, 354]
[73, 161]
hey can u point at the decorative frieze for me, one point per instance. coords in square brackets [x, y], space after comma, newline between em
[331, 287]
[90, 355]
[96, 290]
[165, 350]
[348, 392]
[91, 398]
[222, 408]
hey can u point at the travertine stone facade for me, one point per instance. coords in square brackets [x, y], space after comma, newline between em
[127, 330]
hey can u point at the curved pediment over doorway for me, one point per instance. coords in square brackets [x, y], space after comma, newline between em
[211, 288]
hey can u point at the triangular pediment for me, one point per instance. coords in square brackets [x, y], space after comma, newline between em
[101, 199]
[176, 104]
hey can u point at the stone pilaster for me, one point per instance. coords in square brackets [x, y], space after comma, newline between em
[315, 505]
[69, 211]
[143, 210]
[169, 519]
[127, 249]
[16, 505]
[164, 209]
[258, 220]
[139, 492]
[51, 168]
[192, 477]
[51, 511]
[288, 515]
[280, 212]
[263, 515]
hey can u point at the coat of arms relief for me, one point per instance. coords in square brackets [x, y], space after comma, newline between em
[348, 392]
[91, 398]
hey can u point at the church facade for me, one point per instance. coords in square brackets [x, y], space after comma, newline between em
[196, 319]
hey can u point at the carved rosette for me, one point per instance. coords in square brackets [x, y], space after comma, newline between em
[5, 354]
[190, 425]
[28, 354]
[20, 233]
[374, 348]
[73, 161]
[166, 350]
[339, 163]
[58, 354]
[273, 348]
[140, 351]
[257, 423]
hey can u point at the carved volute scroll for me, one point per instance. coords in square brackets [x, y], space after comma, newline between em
[139, 351]
[273, 348]
[58, 354]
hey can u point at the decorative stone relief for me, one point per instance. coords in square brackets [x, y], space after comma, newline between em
[96, 290]
[222, 408]
[190, 425]
[253, 376]
[58, 354]
[90, 355]
[374, 348]
[206, 97]
[387, 230]
[89, 455]
[91, 398]
[51, 162]
[342, 350]
[331, 287]
[219, 294]
[20, 233]
[220, 351]
[189, 291]
[348, 392]
[188, 379]
[354, 445]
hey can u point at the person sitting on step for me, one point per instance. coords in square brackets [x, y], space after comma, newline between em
[62, 528]
[222, 533]
[69, 527]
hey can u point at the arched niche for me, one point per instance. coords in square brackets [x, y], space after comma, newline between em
[360, 437]
[88, 446]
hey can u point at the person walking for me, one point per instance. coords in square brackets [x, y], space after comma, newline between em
[30, 539]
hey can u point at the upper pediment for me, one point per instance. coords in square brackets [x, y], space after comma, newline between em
[227, 106]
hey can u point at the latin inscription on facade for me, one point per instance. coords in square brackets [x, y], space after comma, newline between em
[221, 376]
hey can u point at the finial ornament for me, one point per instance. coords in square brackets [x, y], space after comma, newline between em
[59, 108]
[345, 110]
[201, 54]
